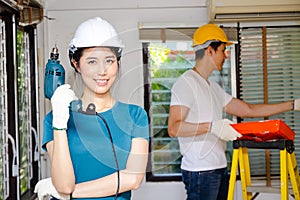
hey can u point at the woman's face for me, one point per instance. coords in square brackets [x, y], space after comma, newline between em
[98, 67]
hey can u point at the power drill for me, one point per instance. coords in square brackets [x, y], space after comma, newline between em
[54, 74]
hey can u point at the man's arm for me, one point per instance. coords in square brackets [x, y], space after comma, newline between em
[240, 108]
[177, 127]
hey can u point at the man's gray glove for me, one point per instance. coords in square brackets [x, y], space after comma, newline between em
[297, 104]
[44, 188]
[223, 130]
[60, 101]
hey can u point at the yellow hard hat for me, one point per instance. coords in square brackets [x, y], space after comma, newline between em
[209, 32]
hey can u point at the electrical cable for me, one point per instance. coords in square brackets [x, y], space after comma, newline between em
[91, 110]
[114, 152]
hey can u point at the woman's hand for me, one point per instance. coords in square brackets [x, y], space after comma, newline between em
[60, 101]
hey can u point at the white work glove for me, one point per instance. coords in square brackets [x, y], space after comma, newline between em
[60, 101]
[44, 188]
[223, 130]
[297, 104]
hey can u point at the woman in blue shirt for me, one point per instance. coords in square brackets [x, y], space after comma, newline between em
[99, 148]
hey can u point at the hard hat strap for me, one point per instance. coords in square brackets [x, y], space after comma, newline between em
[205, 45]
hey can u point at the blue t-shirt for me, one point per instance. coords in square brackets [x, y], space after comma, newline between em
[89, 142]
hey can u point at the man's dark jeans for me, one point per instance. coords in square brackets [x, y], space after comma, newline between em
[206, 185]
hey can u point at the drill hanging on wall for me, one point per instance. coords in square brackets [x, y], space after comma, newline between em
[54, 74]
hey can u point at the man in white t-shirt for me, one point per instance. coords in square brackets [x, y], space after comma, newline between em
[196, 117]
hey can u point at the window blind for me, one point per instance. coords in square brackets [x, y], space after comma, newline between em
[269, 72]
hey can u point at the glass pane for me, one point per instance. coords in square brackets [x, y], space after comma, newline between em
[24, 109]
[167, 62]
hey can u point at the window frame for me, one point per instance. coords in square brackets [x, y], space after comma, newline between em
[227, 73]
[11, 107]
[147, 105]
[9, 15]
[31, 31]
[184, 34]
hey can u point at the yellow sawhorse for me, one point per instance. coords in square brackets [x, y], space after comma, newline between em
[288, 167]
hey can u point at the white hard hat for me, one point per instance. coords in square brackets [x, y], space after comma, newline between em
[95, 32]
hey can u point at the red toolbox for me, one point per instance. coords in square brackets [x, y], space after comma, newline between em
[264, 130]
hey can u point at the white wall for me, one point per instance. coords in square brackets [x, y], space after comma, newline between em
[125, 15]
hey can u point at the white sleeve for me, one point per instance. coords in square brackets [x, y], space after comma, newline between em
[226, 98]
[181, 92]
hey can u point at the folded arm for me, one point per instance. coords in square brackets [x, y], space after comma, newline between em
[130, 178]
[62, 172]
